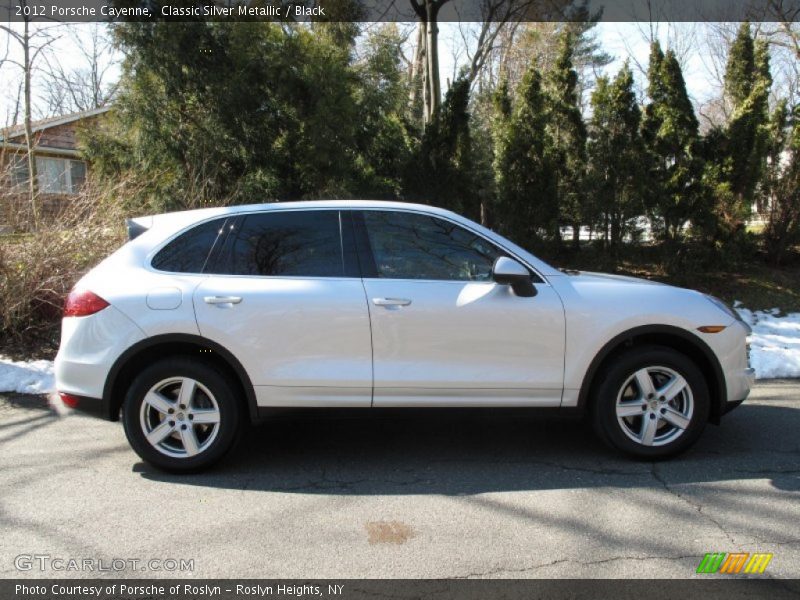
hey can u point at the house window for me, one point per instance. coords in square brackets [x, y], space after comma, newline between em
[55, 175]
[19, 170]
[60, 175]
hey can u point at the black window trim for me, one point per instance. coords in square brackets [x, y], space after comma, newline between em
[367, 257]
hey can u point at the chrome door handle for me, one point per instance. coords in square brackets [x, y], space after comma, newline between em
[222, 299]
[391, 301]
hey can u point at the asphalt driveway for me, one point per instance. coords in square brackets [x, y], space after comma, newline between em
[416, 494]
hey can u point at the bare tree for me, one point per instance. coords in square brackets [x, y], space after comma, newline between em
[87, 86]
[427, 12]
[32, 43]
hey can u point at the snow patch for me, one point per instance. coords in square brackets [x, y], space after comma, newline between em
[775, 342]
[28, 377]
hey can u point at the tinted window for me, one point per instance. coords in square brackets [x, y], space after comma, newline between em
[296, 243]
[189, 252]
[411, 246]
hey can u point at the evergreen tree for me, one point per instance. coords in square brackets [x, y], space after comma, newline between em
[747, 84]
[567, 134]
[526, 201]
[383, 133]
[442, 174]
[224, 112]
[615, 150]
[670, 132]
[736, 154]
[780, 189]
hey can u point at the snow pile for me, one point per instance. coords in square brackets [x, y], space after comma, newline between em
[775, 343]
[29, 377]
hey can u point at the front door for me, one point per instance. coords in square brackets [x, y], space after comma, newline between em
[444, 334]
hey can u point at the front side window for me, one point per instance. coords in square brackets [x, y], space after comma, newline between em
[414, 246]
[288, 244]
[189, 252]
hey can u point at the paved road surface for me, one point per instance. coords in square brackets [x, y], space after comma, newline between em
[447, 495]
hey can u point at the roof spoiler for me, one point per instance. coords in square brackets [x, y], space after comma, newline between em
[137, 226]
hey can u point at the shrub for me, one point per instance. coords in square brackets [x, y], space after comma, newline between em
[38, 267]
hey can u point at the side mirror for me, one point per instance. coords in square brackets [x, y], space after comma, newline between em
[507, 271]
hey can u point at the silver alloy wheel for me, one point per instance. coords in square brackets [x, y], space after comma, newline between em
[180, 417]
[655, 406]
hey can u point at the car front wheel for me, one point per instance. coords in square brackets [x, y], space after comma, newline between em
[181, 415]
[652, 402]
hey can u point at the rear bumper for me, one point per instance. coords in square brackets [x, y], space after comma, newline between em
[89, 347]
[95, 407]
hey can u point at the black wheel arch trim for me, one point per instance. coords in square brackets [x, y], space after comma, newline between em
[111, 406]
[718, 391]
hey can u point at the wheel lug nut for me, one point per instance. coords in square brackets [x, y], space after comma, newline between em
[663, 411]
[644, 409]
[171, 411]
[191, 417]
[172, 423]
[652, 415]
[182, 406]
[183, 426]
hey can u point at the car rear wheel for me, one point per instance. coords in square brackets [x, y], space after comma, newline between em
[181, 415]
[653, 402]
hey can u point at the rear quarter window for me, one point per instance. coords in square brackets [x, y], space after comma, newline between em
[190, 251]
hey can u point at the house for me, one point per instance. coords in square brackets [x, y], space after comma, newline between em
[61, 171]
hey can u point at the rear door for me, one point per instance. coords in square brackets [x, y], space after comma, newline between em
[286, 298]
[444, 334]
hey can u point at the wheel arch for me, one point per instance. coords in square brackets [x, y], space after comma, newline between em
[669, 336]
[154, 348]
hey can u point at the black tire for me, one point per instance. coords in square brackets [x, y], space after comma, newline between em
[657, 360]
[220, 390]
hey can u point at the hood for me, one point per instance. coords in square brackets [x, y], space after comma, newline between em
[590, 277]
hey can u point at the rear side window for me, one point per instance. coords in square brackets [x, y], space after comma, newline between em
[288, 244]
[189, 252]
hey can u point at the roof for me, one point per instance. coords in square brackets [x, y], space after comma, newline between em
[19, 129]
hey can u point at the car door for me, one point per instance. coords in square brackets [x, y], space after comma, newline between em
[285, 297]
[444, 334]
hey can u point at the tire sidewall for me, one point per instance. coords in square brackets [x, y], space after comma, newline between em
[622, 367]
[219, 385]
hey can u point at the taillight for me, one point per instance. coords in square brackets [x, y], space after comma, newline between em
[69, 399]
[82, 303]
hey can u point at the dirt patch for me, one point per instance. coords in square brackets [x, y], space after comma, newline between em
[388, 532]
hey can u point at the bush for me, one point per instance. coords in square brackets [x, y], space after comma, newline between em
[40, 266]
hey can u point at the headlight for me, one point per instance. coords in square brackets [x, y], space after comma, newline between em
[723, 307]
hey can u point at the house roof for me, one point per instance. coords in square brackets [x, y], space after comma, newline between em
[19, 129]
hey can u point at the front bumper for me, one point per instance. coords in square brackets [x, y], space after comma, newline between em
[739, 384]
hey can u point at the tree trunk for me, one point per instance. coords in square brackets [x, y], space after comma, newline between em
[29, 144]
[432, 58]
[418, 66]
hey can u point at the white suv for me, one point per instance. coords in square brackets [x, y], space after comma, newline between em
[211, 317]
